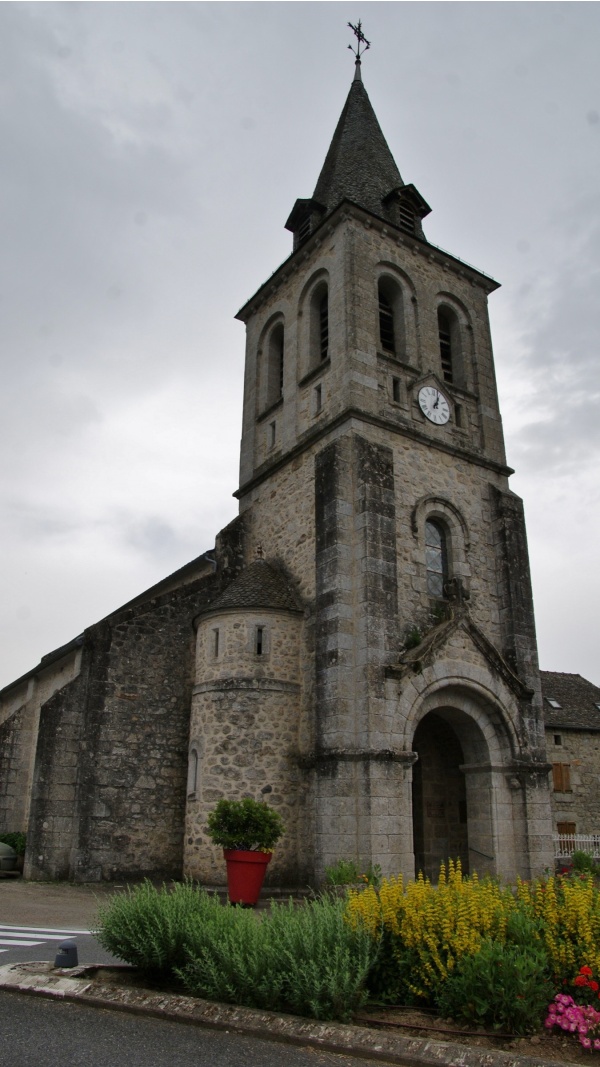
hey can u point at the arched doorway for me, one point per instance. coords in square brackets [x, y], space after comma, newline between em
[439, 797]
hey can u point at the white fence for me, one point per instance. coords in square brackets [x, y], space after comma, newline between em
[566, 844]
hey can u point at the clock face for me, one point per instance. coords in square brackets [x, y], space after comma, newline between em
[434, 405]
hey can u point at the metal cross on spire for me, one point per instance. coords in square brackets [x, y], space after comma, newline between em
[361, 41]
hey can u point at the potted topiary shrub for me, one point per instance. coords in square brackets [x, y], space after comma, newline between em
[247, 830]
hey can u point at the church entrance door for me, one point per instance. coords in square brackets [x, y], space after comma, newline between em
[439, 797]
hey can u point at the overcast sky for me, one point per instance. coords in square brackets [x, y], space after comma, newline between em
[151, 154]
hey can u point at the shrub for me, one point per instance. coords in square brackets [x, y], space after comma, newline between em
[343, 872]
[568, 911]
[149, 927]
[16, 840]
[505, 986]
[584, 862]
[426, 929]
[347, 872]
[245, 824]
[305, 959]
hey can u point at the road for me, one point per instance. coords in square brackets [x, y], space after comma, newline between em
[18, 944]
[57, 1034]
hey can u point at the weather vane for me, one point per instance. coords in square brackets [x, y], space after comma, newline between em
[361, 41]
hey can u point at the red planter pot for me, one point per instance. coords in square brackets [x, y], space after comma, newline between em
[245, 875]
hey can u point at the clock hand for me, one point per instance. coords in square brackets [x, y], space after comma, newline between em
[437, 401]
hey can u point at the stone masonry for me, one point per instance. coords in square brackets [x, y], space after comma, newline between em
[396, 721]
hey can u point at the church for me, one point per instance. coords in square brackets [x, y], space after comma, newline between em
[359, 646]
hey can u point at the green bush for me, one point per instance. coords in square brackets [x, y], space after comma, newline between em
[343, 872]
[16, 840]
[149, 927]
[305, 960]
[245, 824]
[582, 862]
[505, 986]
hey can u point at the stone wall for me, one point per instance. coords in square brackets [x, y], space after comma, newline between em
[580, 751]
[20, 706]
[247, 730]
[109, 789]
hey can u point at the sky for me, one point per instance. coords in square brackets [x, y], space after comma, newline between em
[151, 154]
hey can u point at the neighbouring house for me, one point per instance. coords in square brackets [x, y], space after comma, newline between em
[572, 718]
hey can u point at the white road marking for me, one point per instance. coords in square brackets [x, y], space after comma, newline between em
[41, 930]
[14, 941]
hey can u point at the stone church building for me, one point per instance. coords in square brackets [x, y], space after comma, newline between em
[361, 639]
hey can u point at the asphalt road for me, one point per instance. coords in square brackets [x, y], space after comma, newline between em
[39, 1032]
[19, 944]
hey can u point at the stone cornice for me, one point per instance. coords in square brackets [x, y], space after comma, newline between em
[313, 436]
[323, 756]
[219, 685]
[349, 210]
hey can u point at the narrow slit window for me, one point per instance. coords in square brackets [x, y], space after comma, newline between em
[192, 772]
[557, 739]
[318, 398]
[216, 643]
[272, 430]
[260, 640]
[396, 390]
[458, 415]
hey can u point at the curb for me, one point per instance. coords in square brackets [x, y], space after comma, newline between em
[84, 985]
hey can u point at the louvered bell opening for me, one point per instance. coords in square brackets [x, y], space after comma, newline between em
[407, 217]
[445, 347]
[324, 327]
[386, 325]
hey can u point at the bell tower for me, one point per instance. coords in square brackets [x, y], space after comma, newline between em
[373, 473]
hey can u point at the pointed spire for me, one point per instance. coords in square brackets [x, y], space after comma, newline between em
[359, 165]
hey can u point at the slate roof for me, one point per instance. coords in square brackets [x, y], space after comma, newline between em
[259, 586]
[577, 698]
[359, 165]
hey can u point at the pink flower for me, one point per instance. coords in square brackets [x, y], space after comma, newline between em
[597, 1043]
[585, 1041]
[549, 1022]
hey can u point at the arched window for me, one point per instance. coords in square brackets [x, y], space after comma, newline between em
[319, 325]
[391, 317]
[275, 356]
[450, 345]
[436, 558]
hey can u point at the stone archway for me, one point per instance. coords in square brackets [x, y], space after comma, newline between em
[439, 797]
[455, 793]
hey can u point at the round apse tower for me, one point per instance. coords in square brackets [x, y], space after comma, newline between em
[246, 717]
